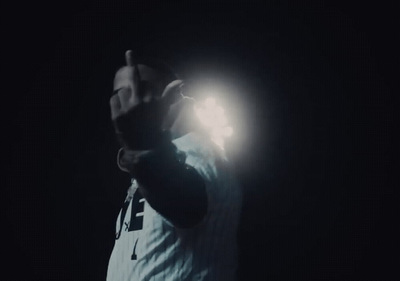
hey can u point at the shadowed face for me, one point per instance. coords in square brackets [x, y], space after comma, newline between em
[152, 82]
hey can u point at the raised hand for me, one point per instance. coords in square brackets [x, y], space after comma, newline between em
[137, 111]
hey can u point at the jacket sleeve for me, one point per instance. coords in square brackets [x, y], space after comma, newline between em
[172, 187]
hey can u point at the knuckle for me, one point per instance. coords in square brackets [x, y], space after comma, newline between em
[117, 116]
[123, 92]
[113, 100]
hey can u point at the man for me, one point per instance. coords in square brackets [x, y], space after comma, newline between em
[181, 214]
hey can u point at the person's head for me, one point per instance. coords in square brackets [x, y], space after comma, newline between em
[154, 75]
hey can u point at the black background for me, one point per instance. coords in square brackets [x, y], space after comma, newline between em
[317, 164]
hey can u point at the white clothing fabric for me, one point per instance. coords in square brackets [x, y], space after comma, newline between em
[150, 248]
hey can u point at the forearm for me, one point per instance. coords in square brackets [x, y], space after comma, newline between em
[171, 187]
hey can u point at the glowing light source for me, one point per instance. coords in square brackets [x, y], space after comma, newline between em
[212, 117]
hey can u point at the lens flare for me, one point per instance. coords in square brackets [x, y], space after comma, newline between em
[212, 117]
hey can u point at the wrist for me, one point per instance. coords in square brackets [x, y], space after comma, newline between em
[144, 141]
[161, 157]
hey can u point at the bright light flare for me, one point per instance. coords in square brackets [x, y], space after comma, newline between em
[226, 109]
[212, 117]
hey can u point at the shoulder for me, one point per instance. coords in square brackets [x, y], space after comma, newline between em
[207, 158]
[198, 144]
[199, 147]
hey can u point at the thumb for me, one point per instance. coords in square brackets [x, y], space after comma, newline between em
[171, 93]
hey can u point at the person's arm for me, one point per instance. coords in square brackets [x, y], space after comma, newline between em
[172, 188]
